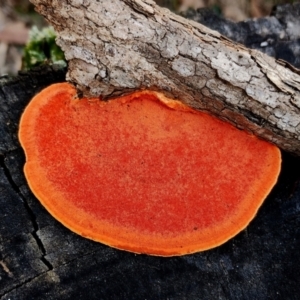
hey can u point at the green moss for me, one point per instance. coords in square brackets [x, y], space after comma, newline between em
[42, 48]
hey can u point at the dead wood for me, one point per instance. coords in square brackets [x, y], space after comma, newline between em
[117, 46]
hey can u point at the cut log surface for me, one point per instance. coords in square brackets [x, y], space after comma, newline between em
[121, 45]
[40, 259]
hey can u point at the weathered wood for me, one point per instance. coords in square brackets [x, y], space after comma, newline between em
[277, 35]
[116, 46]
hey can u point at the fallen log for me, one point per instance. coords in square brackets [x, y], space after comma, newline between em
[123, 45]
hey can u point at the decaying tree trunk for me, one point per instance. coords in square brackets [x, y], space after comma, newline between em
[117, 46]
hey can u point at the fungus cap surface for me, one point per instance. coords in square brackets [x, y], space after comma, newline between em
[143, 173]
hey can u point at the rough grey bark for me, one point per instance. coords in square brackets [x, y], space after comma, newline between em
[277, 35]
[40, 259]
[118, 46]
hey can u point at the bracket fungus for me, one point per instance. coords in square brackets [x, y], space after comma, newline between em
[142, 172]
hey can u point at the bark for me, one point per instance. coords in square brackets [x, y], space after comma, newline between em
[40, 259]
[117, 46]
[277, 35]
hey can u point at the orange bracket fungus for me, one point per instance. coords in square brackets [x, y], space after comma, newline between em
[142, 172]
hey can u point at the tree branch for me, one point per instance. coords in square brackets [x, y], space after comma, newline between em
[117, 46]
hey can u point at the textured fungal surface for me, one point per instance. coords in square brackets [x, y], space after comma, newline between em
[143, 172]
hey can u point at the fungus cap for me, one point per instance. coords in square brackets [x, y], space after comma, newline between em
[143, 173]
